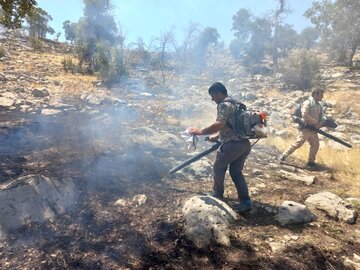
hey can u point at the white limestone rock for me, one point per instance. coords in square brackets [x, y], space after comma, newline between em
[207, 220]
[293, 213]
[333, 205]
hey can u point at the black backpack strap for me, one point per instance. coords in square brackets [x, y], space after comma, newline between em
[241, 105]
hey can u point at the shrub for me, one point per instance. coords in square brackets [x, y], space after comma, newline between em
[2, 51]
[301, 69]
[36, 43]
[110, 64]
[69, 65]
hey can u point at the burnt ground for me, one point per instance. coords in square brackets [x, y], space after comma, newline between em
[95, 234]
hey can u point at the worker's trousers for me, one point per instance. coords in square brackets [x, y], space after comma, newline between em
[232, 154]
[303, 136]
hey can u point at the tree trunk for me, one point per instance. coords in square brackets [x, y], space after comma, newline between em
[353, 51]
[275, 37]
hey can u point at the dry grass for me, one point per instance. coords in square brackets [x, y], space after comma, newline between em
[272, 93]
[48, 65]
[72, 83]
[344, 99]
[343, 163]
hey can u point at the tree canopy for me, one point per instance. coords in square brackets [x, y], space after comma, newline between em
[13, 12]
[38, 20]
[70, 30]
[308, 37]
[253, 36]
[98, 43]
[339, 24]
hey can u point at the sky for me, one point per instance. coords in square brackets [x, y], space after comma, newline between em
[150, 18]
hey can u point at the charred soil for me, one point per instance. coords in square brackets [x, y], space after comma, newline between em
[130, 216]
[96, 234]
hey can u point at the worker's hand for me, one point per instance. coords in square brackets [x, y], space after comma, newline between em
[194, 131]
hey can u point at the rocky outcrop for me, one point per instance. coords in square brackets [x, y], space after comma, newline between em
[33, 198]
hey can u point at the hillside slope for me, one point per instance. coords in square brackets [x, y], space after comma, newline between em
[116, 145]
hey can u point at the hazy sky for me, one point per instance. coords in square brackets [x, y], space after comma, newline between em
[149, 18]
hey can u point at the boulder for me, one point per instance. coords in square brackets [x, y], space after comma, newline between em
[306, 179]
[33, 198]
[40, 93]
[6, 102]
[147, 139]
[293, 213]
[198, 170]
[353, 263]
[333, 205]
[207, 220]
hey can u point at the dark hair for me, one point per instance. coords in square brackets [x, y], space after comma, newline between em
[216, 88]
[317, 90]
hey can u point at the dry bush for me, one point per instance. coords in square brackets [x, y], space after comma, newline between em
[69, 65]
[2, 51]
[137, 58]
[36, 44]
[301, 69]
[345, 98]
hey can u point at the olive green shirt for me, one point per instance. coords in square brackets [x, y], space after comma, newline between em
[225, 110]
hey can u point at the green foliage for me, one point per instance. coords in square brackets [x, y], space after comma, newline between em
[70, 30]
[209, 36]
[110, 63]
[12, 12]
[242, 24]
[98, 45]
[97, 22]
[287, 39]
[85, 50]
[96, 28]
[308, 37]
[38, 20]
[236, 47]
[260, 36]
[253, 37]
[68, 65]
[339, 24]
[2, 51]
[301, 69]
[206, 38]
